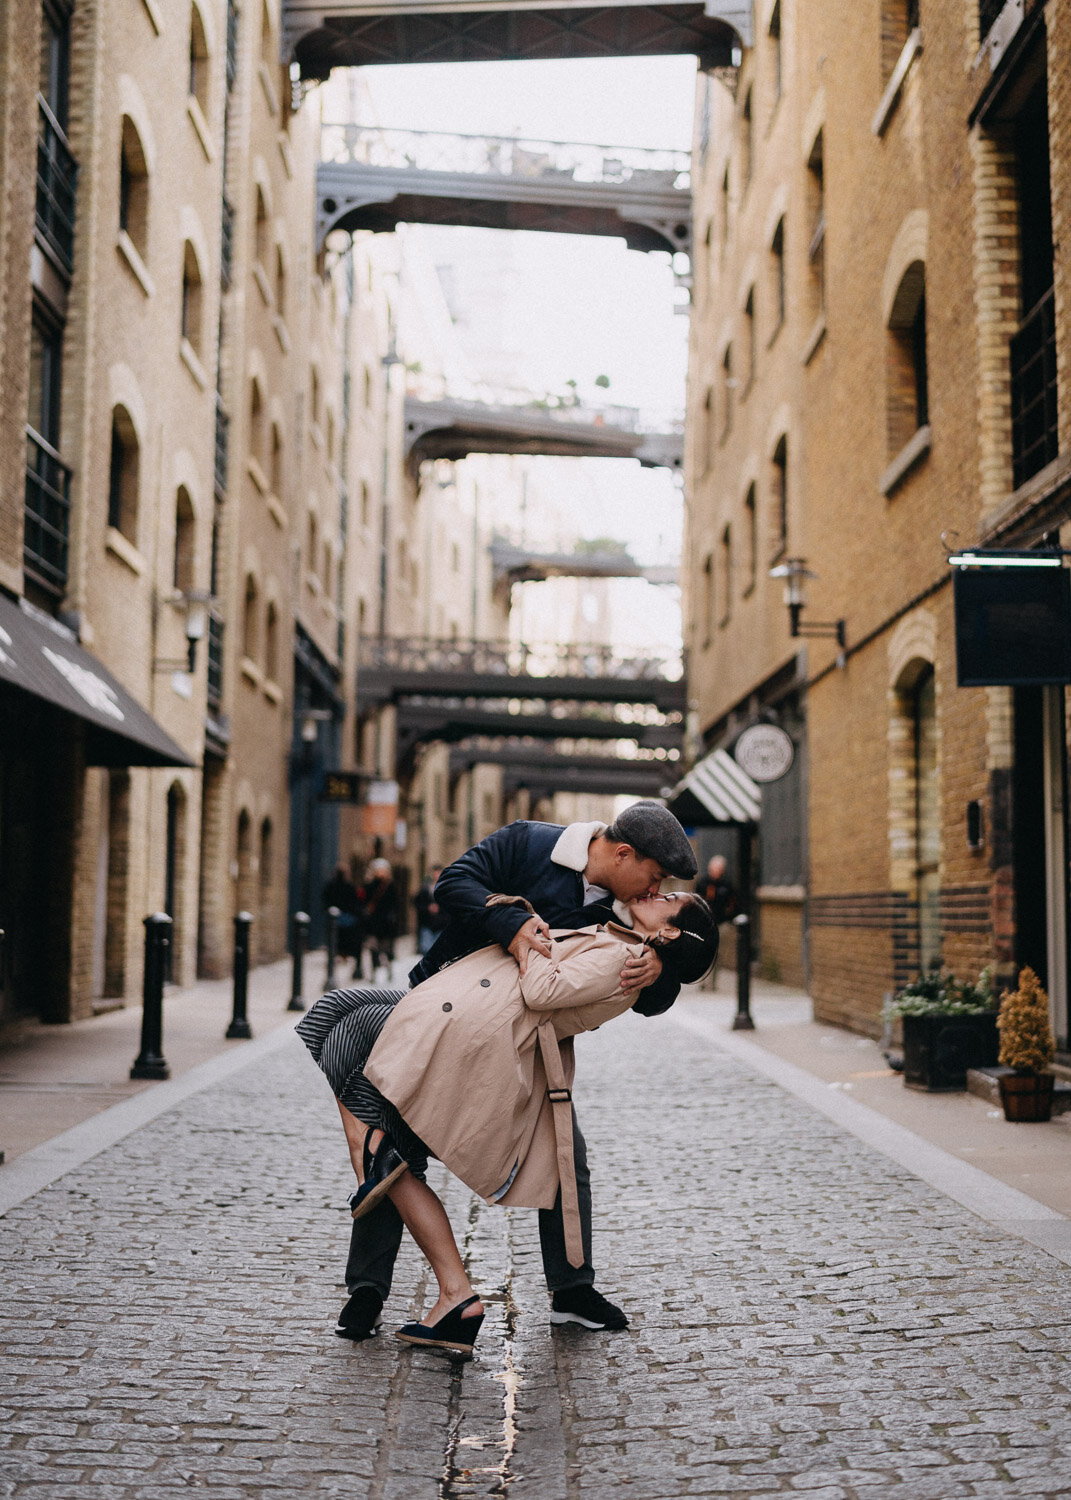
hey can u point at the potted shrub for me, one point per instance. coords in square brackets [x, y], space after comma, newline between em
[948, 1027]
[1026, 1045]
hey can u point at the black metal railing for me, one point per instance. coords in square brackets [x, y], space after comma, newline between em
[215, 661]
[223, 424]
[226, 242]
[502, 658]
[57, 178]
[1035, 440]
[48, 512]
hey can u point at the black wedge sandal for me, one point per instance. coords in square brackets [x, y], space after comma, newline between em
[452, 1334]
[382, 1167]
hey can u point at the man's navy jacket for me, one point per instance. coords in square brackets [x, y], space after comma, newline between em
[515, 861]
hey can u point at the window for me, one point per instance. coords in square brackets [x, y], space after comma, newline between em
[55, 64]
[1035, 436]
[261, 231]
[192, 300]
[907, 386]
[706, 435]
[725, 209]
[256, 420]
[268, 52]
[276, 476]
[185, 557]
[199, 74]
[314, 396]
[779, 496]
[749, 339]
[751, 540]
[725, 575]
[249, 619]
[367, 386]
[330, 437]
[706, 599]
[366, 503]
[777, 267]
[774, 35]
[56, 166]
[746, 142]
[46, 376]
[134, 188]
[898, 20]
[123, 476]
[816, 248]
[312, 544]
[271, 643]
[280, 282]
[727, 386]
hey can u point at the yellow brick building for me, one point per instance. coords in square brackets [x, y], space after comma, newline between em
[878, 376]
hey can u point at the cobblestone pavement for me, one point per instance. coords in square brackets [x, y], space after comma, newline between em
[807, 1317]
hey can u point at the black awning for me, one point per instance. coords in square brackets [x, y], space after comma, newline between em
[40, 656]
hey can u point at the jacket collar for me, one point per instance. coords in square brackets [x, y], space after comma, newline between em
[571, 850]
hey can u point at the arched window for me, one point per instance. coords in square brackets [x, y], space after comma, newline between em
[779, 495]
[249, 619]
[183, 573]
[192, 300]
[816, 220]
[777, 273]
[271, 643]
[280, 282]
[314, 395]
[751, 540]
[276, 475]
[311, 545]
[256, 420]
[898, 20]
[261, 231]
[728, 385]
[907, 382]
[746, 148]
[199, 72]
[134, 188]
[123, 475]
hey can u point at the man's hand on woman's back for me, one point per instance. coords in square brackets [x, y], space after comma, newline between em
[533, 937]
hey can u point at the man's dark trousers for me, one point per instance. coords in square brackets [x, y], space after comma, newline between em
[376, 1238]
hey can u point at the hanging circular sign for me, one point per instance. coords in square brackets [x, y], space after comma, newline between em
[764, 752]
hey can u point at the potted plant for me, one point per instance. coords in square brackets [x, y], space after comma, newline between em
[948, 1027]
[1026, 1045]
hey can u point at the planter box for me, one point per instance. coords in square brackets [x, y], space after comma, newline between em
[1027, 1096]
[938, 1050]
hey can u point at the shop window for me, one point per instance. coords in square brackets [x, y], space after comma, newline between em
[183, 570]
[123, 475]
[134, 188]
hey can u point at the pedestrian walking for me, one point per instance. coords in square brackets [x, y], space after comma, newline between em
[476, 1065]
[430, 917]
[380, 918]
[574, 877]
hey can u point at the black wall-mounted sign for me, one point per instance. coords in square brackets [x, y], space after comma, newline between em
[1013, 626]
[343, 786]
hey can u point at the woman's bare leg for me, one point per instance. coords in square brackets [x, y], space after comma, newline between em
[425, 1218]
[356, 1131]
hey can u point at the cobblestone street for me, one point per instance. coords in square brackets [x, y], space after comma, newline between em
[807, 1316]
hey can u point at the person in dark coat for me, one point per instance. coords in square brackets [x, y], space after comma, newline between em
[573, 877]
[379, 913]
[718, 891]
[430, 917]
[341, 893]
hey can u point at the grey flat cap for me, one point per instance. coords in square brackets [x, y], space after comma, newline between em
[654, 833]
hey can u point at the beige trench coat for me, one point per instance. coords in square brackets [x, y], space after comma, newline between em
[478, 1061]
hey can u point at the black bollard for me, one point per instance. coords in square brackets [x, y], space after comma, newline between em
[240, 1026]
[333, 914]
[149, 1062]
[299, 937]
[742, 1020]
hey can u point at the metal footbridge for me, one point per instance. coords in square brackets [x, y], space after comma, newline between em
[372, 179]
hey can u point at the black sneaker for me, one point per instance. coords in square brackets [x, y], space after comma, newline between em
[360, 1317]
[586, 1306]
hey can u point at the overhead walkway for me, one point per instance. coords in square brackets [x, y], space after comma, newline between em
[374, 179]
[320, 35]
[454, 429]
[542, 771]
[512, 564]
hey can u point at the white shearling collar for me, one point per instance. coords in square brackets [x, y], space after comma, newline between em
[571, 850]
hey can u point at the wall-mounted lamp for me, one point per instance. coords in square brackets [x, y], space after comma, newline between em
[196, 603]
[794, 571]
[311, 720]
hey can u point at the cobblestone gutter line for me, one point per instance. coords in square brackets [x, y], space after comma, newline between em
[808, 1316]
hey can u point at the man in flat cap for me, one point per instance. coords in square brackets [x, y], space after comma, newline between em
[573, 877]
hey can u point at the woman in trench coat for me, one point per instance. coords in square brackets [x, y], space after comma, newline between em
[475, 1066]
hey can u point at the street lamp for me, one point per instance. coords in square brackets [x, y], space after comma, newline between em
[196, 603]
[794, 571]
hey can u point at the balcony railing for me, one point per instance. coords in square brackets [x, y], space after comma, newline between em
[48, 512]
[223, 423]
[215, 662]
[57, 175]
[1035, 441]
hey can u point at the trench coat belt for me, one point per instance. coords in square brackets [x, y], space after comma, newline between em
[561, 1103]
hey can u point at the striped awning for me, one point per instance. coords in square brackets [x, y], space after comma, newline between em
[716, 790]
